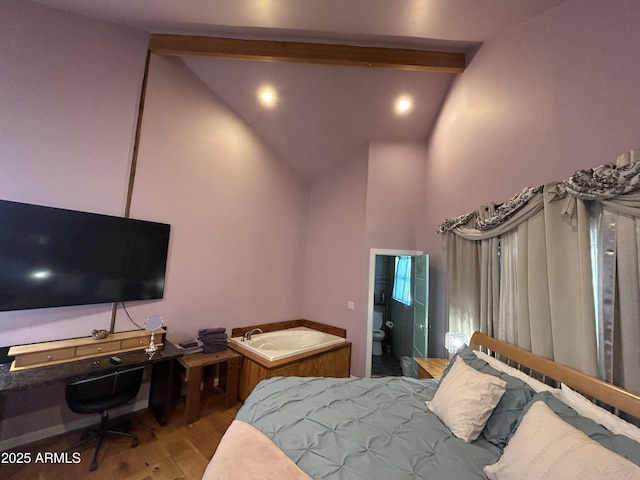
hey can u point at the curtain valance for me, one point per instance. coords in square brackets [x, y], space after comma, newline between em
[608, 180]
[616, 186]
[556, 270]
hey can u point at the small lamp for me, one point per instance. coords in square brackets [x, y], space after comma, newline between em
[453, 341]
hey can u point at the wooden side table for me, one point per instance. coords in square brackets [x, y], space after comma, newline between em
[230, 374]
[431, 367]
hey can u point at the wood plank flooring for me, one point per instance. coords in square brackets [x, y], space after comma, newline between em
[172, 452]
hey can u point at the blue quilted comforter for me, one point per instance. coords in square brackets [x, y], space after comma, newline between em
[363, 428]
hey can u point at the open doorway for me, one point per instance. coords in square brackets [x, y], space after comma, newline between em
[395, 319]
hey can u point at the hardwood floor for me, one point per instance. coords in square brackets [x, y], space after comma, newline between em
[171, 452]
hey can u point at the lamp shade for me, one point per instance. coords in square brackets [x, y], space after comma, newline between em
[453, 341]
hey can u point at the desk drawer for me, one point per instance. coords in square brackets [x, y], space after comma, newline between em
[137, 342]
[97, 349]
[72, 349]
[44, 357]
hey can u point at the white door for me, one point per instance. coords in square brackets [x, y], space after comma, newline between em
[420, 307]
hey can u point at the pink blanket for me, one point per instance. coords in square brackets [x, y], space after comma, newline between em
[245, 453]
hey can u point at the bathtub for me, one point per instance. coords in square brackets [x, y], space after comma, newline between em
[280, 344]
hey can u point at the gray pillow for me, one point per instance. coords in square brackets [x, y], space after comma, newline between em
[619, 444]
[505, 416]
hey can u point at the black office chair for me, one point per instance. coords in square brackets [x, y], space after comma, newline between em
[98, 395]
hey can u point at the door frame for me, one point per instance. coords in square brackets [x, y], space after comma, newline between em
[372, 281]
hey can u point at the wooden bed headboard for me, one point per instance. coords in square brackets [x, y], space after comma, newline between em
[617, 397]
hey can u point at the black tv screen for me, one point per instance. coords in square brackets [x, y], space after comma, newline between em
[52, 257]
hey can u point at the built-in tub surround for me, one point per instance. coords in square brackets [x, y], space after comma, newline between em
[292, 348]
[289, 342]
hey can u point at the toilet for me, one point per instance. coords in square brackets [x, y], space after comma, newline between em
[377, 333]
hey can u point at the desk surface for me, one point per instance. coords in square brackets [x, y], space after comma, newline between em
[203, 359]
[77, 370]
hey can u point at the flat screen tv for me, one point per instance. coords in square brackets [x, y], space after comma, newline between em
[52, 257]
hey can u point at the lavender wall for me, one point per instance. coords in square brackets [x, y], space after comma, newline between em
[69, 96]
[395, 186]
[335, 263]
[238, 213]
[557, 93]
[553, 95]
[395, 219]
[374, 201]
[69, 91]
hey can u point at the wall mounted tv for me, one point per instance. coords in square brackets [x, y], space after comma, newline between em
[52, 257]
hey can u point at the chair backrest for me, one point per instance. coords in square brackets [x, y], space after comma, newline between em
[100, 393]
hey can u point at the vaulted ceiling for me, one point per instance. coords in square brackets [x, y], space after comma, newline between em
[323, 114]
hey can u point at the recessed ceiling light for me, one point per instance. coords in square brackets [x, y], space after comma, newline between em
[267, 96]
[403, 105]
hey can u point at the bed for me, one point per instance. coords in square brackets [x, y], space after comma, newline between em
[483, 419]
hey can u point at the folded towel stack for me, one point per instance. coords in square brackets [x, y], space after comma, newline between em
[214, 339]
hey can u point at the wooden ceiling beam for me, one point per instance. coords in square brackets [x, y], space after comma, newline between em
[322, 53]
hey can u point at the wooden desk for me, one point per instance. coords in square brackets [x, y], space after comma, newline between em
[431, 367]
[229, 375]
[162, 385]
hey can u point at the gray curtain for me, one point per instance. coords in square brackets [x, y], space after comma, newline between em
[554, 308]
[554, 295]
[620, 276]
[463, 265]
[625, 364]
[570, 283]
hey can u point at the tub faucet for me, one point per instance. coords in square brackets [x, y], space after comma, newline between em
[247, 336]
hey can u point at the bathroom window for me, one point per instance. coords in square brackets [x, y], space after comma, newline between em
[402, 280]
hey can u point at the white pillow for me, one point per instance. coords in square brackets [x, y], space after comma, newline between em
[588, 409]
[465, 400]
[537, 385]
[546, 447]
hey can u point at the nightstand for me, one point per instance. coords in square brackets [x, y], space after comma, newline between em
[431, 367]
